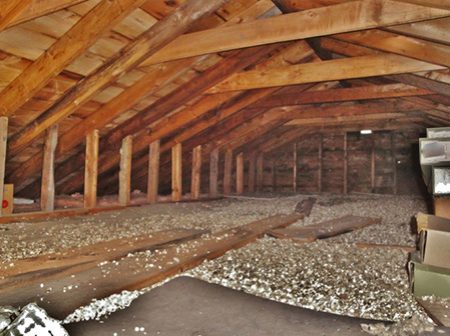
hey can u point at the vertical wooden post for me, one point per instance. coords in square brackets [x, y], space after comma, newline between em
[228, 166]
[3, 140]
[372, 166]
[259, 172]
[394, 166]
[294, 168]
[251, 172]
[319, 172]
[153, 172]
[177, 173]
[126, 155]
[345, 175]
[213, 172]
[196, 172]
[91, 170]
[273, 173]
[240, 173]
[48, 170]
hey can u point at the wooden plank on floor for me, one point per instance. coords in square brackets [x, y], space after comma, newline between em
[437, 310]
[136, 272]
[325, 229]
[74, 260]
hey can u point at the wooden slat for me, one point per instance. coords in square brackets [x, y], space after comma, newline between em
[85, 32]
[153, 172]
[347, 68]
[325, 229]
[3, 140]
[228, 166]
[48, 170]
[126, 155]
[177, 173]
[10, 10]
[240, 173]
[171, 263]
[213, 172]
[90, 170]
[251, 172]
[130, 56]
[344, 17]
[196, 172]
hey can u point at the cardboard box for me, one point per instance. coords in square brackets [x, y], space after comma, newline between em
[441, 181]
[428, 280]
[425, 221]
[8, 199]
[438, 132]
[434, 248]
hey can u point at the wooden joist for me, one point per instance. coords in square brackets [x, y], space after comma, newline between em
[325, 229]
[177, 173]
[213, 172]
[251, 172]
[240, 173]
[228, 166]
[196, 172]
[171, 263]
[347, 68]
[153, 172]
[126, 156]
[10, 10]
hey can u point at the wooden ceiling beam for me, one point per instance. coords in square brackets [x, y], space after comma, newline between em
[402, 45]
[342, 94]
[339, 69]
[130, 56]
[342, 17]
[50, 64]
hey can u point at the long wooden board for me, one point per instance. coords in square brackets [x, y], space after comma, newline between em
[61, 296]
[325, 229]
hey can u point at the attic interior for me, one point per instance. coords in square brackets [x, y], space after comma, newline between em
[224, 167]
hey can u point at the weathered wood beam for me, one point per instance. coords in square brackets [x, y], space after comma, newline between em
[341, 95]
[228, 166]
[342, 17]
[177, 173]
[240, 173]
[260, 172]
[196, 172]
[347, 68]
[126, 156]
[3, 140]
[251, 172]
[432, 30]
[48, 170]
[213, 172]
[130, 56]
[153, 171]
[402, 45]
[373, 117]
[91, 170]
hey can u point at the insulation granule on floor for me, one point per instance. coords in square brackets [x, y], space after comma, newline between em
[334, 278]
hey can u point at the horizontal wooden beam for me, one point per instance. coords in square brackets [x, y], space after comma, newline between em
[339, 69]
[342, 17]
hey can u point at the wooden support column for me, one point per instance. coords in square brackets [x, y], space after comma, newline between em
[372, 166]
[196, 172]
[153, 172]
[213, 172]
[177, 173]
[251, 172]
[259, 172]
[91, 170]
[294, 168]
[240, 173]
[126, 155]
[48, 170]
[319, 171]
[394, 165]
[345, 175]
[228, 166]
[3, 140]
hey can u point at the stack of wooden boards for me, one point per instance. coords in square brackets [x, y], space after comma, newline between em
[429, 267]
[435, 163]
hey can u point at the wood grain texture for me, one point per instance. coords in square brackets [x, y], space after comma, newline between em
[48, 170]
[153, 171]
[126, 156]
[91, 170]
